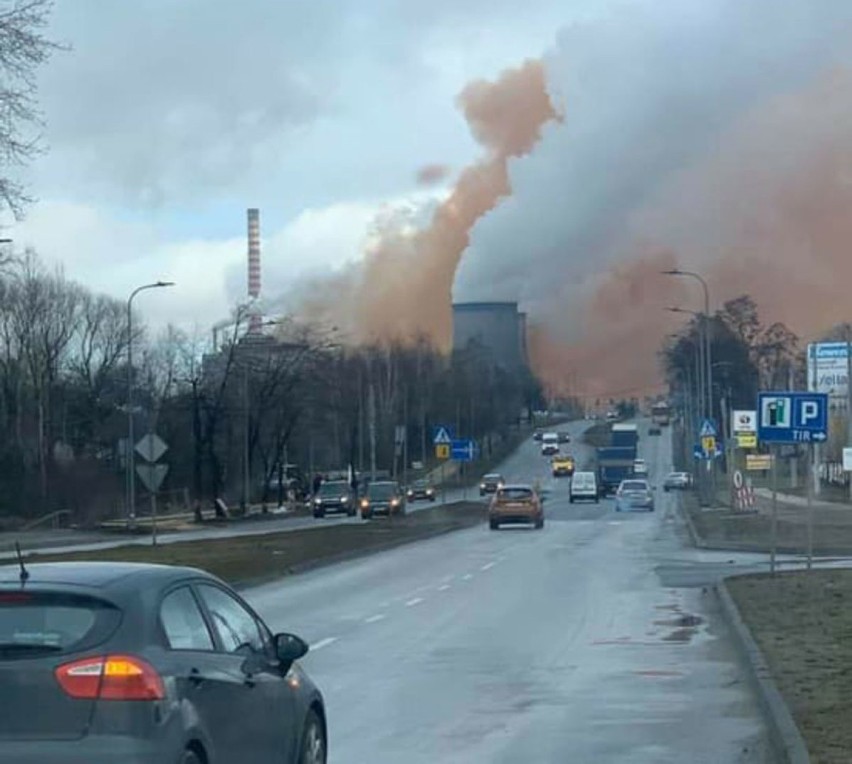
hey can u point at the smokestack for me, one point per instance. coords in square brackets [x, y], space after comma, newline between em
[255, 319]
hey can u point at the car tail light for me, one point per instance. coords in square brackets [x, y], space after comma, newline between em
[110, 677]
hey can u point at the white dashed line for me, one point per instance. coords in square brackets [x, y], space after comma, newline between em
[414, 601]
[443, 588]
[467, 577]
[323, 643]
[375, 618]
[487, 566]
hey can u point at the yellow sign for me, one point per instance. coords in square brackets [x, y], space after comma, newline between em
[442, 451]
[708, 444]
[758, 462]
[746, 440]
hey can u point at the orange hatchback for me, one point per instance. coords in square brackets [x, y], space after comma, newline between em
[515, 504]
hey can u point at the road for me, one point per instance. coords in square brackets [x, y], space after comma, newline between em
[593, 640]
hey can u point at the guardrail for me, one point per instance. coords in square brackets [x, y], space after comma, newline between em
[53, 519]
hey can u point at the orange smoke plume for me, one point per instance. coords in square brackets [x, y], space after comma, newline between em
[403, 287]
[431, 174]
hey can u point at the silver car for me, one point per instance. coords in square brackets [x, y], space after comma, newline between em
[677, 481]
[634, 494]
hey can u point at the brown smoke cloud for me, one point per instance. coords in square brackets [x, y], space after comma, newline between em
[767, 212]
[403, 287]
[432, 174]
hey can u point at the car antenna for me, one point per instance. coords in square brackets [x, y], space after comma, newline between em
[25, 574]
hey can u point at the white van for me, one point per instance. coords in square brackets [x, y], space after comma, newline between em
[584, 487]
[549, 444]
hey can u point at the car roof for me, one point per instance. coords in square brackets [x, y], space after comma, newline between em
[634, 480]
[96, 575]
[493, 475]
[382, 482]
[584, 473]
[517, 487]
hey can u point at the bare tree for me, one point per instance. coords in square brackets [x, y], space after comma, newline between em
[23, 50]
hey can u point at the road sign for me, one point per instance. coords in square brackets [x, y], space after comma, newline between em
[746, 440]
[463, 450]
[758, 462]
[847, 459]
[708, 446]
[707, 430]
[399, 434]
[738, 479]
[151, 447]
[152, 475]
[442, 435]
[743, 421]
[788, 417]
[442, 451]
[827, 369]
[697, 451]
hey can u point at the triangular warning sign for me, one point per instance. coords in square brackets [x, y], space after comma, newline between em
[442, 436]
[708, 429]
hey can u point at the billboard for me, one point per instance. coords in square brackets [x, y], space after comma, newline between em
[827, 368]
[744, 421]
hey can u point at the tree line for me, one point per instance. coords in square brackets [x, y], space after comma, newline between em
[233, 415]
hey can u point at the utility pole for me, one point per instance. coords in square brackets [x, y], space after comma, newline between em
[371, 402]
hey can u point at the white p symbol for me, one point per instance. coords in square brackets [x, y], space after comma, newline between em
[810, 411]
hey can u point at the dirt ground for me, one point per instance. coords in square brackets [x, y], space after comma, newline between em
[249, 559]
[803, 624]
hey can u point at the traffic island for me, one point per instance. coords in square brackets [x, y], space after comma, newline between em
[802, 622]
[750, 531]
[243, 560]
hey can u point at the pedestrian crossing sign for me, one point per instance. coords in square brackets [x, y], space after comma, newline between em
[442, 436]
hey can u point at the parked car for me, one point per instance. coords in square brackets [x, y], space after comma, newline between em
[677, 481]
[584, 487]
[515, 504]
[537, 435]
[654, 430]
[121, 662]
[634, 494]
[563, 437]
[421, 490]
[334, 496]
[384, 497]
[491, 483]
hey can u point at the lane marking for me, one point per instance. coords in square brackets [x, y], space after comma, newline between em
[488, 566]
[375, 618]
[444, 588]
[467, 577]
[414, 601]
[323, 643]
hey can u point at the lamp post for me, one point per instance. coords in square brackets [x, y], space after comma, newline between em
[707, 353]
[131, 460]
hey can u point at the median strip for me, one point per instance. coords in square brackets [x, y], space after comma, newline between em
[245, 560]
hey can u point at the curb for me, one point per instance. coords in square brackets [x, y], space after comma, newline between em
[697, 542]
[783, 732]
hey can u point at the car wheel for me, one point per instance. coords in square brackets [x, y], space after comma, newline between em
[319, 514]
[666, 489]
[494, 524]
[570, 499]
[313, 749]
[539, 524]
[189, 757]
[366, 514]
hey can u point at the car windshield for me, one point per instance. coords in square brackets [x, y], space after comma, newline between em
[492, 479]
[515, 494]
[382, 490]
[421, 484]
[634, 485]
[333, 489]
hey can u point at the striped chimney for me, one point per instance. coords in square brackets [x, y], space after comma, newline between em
[253, 215]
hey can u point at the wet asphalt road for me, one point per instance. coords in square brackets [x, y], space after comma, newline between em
[592, 640]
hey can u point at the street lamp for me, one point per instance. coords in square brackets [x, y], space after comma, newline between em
[131, 459]
[709, 369]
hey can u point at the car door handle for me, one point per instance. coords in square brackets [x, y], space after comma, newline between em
[195, 677]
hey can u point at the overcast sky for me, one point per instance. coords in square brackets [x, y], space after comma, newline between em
[167, 119]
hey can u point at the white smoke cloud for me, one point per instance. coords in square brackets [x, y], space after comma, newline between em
[647, 90]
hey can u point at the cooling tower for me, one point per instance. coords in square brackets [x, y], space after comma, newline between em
[497, 327]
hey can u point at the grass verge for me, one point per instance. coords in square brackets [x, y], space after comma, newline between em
[724, 528]
[802, 623]
[250, 559]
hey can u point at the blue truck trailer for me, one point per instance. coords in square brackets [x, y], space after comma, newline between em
[615, 462]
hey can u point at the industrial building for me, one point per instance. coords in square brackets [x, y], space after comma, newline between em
[498, 327]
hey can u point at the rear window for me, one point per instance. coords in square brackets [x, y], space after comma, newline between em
[36, 623]
[635, 485]
[515, 494]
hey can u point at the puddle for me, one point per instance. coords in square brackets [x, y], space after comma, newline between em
[685, 621]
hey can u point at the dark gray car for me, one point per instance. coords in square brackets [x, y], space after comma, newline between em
[116, 662]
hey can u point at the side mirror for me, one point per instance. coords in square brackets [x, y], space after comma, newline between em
[289, 648]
